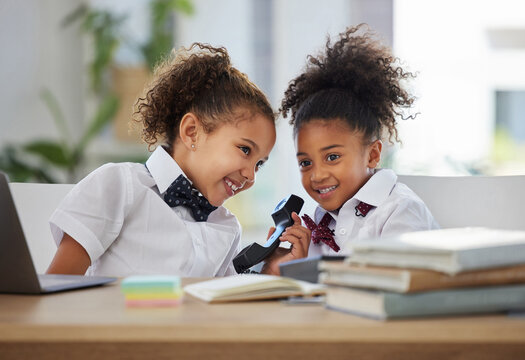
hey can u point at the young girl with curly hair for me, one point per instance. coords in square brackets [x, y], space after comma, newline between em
[166, 216]
[342, 106]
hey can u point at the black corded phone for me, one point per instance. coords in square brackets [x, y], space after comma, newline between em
[282, 217]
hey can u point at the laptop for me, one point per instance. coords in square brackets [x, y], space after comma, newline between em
[17, 271]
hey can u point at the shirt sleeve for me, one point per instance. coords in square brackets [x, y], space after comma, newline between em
[94, 211]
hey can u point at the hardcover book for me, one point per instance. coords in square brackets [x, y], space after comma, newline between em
[307, 269]
[414, 280]
[385, 305]
[447, 250]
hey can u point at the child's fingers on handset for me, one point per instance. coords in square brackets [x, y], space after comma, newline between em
[296, 236]
[299, 230]
[296, 219]
[305, 238]
[270, 232]
[299, 243]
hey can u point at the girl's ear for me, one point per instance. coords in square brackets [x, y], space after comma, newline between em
[374, 154]
[189, 129]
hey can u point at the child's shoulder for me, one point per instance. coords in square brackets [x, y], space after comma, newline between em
[123, 169]
[109, 169]
[405, 207]
[401, 191]
[404, 197]
[111, 175]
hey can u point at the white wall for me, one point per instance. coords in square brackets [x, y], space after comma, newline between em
[36, 53]
[220, 23]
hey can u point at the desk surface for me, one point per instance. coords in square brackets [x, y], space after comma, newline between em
[94, 323]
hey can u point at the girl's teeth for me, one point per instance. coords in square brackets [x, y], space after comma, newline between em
[231, 185]
[324, 191]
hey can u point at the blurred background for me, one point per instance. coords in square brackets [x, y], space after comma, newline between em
[70, 71]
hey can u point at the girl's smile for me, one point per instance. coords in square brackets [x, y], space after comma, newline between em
[326, 192]
[232, 186]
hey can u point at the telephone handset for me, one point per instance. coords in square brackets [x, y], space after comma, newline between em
[282, 217]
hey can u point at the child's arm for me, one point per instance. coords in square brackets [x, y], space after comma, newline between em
[298, 236]
[70, 258]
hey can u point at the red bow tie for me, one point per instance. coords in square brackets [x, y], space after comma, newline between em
[321, 232]
[362, 209]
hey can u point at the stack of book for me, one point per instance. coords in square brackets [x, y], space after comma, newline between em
[152, 291]
[437, 272]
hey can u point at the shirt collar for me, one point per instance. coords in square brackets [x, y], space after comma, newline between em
[163, 168]
[319, 213]
[377, 188]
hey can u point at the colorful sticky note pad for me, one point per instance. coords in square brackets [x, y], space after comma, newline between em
[147, 282]
[152, 290]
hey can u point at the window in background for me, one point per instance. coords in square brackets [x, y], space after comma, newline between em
[463, 51]
[509, 144]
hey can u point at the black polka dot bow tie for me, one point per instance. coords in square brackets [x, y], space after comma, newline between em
[181, 193]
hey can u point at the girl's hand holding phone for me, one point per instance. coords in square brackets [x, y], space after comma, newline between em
[299, 238]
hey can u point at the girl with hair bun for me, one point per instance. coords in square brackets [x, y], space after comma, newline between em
[166, 216]
[342, 107]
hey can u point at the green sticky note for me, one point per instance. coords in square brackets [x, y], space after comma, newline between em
[150, 284]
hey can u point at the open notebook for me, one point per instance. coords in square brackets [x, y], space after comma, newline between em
[17, 271]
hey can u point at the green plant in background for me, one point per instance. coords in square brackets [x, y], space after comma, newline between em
[41, 159]
[161, 41]
[61, 154]
[19, 170]
[105, 30]
[103, 27]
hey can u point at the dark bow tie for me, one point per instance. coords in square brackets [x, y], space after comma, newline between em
[181, 193]
[321, 232]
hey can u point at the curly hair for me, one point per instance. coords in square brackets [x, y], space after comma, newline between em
[202, 80]
[356, 80]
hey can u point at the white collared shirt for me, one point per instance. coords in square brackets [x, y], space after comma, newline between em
[397, 209]
[117, 213]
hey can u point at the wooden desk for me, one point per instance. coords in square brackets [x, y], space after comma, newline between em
[95, 324]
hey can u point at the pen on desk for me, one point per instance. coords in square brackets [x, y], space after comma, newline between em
[304, 300]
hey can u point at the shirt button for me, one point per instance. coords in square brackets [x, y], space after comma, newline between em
[342, 231]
